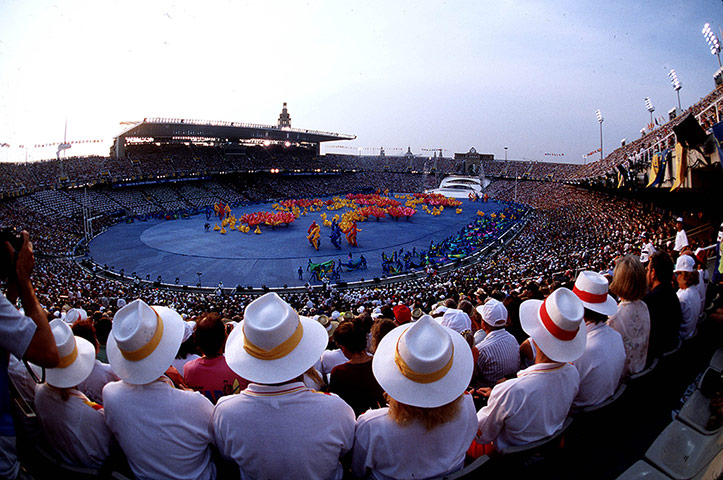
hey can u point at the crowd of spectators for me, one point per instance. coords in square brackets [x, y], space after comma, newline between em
[574, 241]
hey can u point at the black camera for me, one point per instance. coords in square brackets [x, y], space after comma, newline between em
[16, 240]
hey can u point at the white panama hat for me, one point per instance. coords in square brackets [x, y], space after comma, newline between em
[555, 325]
[144, 341]
[423, 364]
[592, 289]
[275, 344]
[77, 357]
[74, 314]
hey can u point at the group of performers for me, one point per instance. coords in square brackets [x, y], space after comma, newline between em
[314, 234]
[473, 197]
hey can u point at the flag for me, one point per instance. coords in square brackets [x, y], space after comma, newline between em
[657, 169]
[680, 166]
[718, 134]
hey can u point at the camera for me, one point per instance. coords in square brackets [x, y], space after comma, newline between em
[15, 238]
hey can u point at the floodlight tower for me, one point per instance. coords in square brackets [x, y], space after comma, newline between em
[713, 41]
[649, 106]
[676, 84]
[600, 120]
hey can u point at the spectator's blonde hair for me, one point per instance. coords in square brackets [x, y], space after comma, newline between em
[629, 280]
[404, 414]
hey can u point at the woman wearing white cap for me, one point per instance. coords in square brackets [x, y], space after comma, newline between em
[165, 432]
[424, 368]
[74, 426]
[687, 277]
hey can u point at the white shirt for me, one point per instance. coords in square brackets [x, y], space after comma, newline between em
[645, 252]
[388, 450]
[600, 366]
[690, 309]
[92, 386]
[530, 407]
[330, 359]
[681, 240]
[164, 432]
[702, 287]
[284, 431]
[632, 322]
[75, 429]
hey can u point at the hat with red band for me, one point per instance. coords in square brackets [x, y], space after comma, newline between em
[556, 325]
[592, 289]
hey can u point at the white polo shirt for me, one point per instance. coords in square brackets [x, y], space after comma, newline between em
[284, 431]
[386, 450]
[74, 428]
[92, 386]
[530, 407]
[164, 432]
[600, 366]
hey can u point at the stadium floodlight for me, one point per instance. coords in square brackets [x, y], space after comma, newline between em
[600, 120]
[712, 40]
[506, 153]
[651, 108]
[676, 84]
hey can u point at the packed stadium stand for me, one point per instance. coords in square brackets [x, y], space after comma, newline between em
[582, 218]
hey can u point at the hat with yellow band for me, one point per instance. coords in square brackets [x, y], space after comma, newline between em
[77, 357]
[423, 364]
[144, 341]
[274, 344]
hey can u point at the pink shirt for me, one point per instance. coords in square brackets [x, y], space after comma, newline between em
[213, 377]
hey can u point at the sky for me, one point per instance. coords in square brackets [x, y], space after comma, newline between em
[526, 74]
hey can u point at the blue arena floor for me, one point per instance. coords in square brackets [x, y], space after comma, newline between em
[181, 248]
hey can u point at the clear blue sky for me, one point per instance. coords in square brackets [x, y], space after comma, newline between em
[425, 74]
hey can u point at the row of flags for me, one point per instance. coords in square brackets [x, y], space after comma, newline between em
[53, 144]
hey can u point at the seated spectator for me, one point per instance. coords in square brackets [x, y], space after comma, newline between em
[210, 374]
[687, 277]
[663, 305]
[457, 320]
[101, 374]
[536, 403]
[499, 355]
[379, 330]
[277, 427]
[354, 381]
[73, 425]
[424, 369]
[601, 364]
[187, 350]
[402, 314]
[632, 319]
[164, 432]
[102, 330]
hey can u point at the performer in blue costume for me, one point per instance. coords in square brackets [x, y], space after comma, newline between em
[335, 234]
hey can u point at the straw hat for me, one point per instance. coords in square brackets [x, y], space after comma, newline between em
[592, 289]
[417, 314]
[77, 357]
[274, 344]
[685, 263]
[555, 325]
[144, 341]
[494, 313]
[327, 323]
[423, 364]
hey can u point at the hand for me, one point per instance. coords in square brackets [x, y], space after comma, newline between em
[483, 392]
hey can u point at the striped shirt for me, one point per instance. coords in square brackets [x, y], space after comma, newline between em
[499, 357]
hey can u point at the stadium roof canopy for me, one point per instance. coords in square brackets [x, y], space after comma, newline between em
[172, 130]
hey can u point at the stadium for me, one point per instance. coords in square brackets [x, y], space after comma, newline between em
[205, 218]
